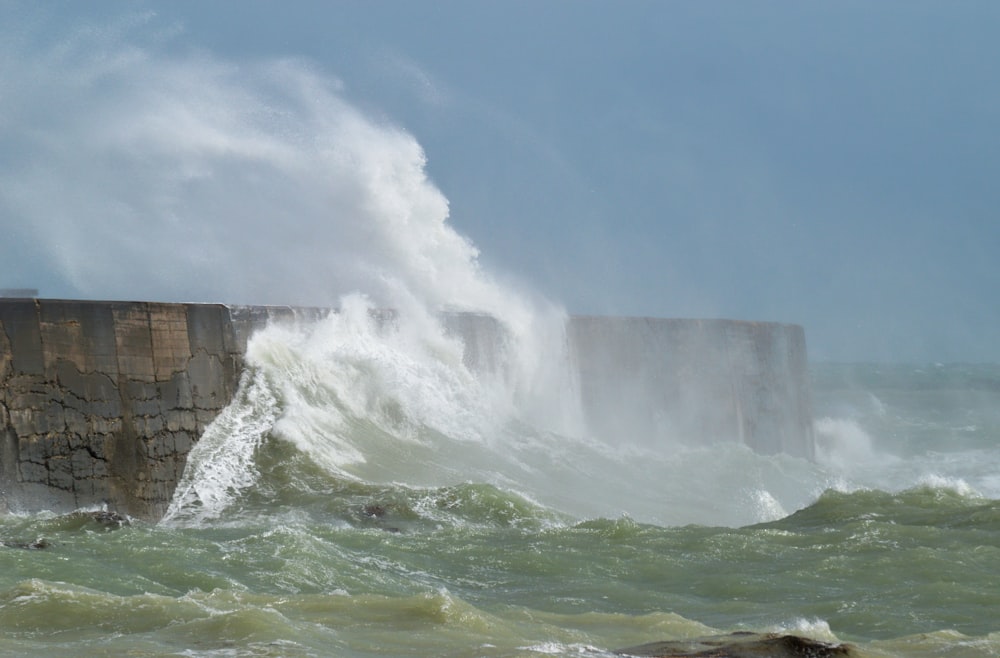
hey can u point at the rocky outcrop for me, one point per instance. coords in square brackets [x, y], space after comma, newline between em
[100, 402]
[741, 645]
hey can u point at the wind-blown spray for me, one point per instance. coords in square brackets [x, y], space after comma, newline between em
[182, 176]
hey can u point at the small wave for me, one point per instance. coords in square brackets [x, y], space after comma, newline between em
[623, 528]
[765, 506]
[485, 505]
[949, 484]
[938, 503]
[817, 629]
[560, 649]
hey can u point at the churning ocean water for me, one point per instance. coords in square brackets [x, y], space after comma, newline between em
[366, 494]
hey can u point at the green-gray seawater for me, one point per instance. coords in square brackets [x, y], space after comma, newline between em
[895, 547]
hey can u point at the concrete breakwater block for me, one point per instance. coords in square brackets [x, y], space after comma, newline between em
[100, 402]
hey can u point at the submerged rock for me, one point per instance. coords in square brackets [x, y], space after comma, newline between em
[375, 512]
[78, 520]
[36, 545]
[86, 519]
[740, 645]
[109, 519]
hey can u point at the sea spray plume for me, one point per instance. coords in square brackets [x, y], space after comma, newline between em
[843, 443]
[255, 182]
[182, 174]
[355, 365]
[179, 174]
[366, 395]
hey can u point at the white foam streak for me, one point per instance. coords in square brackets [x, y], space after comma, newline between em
[221, 464]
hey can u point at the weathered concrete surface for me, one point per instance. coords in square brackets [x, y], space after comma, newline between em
[100, 402]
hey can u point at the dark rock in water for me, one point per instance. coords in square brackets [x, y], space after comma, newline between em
[78, 520]
[740, 645]
[109, 519]
[36, 545]
[376, 512]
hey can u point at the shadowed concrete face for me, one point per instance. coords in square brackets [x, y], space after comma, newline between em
[101, 401]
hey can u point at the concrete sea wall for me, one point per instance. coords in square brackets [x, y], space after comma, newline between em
[673, 381]
[100, 402]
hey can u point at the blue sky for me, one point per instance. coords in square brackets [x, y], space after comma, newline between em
[828, 164]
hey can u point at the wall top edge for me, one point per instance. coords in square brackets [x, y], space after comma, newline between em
[583, 317]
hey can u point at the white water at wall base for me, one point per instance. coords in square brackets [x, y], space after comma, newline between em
[430, 401]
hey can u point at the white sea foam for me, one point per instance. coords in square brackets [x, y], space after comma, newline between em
[955, 484]
[817, 629]
[843, 443]
[387, 399]
[347, 367]
[222, 463]
[765, 507]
